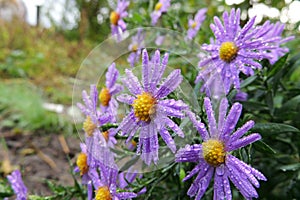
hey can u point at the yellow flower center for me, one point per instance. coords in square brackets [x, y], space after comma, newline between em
[144, 106]
[134, 47]
[213, 152]
[105, 135]
[103, 193]
[194, 24]
[81, 162]
[158, 6]
[104, 96]
[114, 17]
[89, 126]
[228, 51]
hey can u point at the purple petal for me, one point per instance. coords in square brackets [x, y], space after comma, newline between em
[168, 139]
[222, 114]
[243, 142]
[200, 166]
[241, 131]
[146, 71]
[128, 123]
[159, 69]
[132, 83]
[211, 118]
[199, 126]
[148, 142]
[231, 120]
[190, 153]
[201, 183]
[125, 98]
[170, 84]
[169, 111]
[240, 180]
[111, 75]
[174, 127]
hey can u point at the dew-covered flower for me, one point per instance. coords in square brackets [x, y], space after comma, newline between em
[275, 30]
[17, 185]
[160, 7]
[86, 170]
[136, 47]
[117, 23]
[107, 100]
[235, 49]
[106, 184]
[94, 117]
[150, 109]
[213, 157]
[195, 24]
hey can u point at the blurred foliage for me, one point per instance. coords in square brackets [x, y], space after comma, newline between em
[21, 107]
[42, 56]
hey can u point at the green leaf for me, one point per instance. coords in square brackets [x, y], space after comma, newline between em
[269, 129]
[290, 167]
[291, 104]
[278, 66]
[263, 147]
[254, 106]
[248, 81]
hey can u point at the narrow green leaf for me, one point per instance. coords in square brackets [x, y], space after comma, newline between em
[263, 147]
[269, 129]
[290, 167]
[278, 66]
[248, 81]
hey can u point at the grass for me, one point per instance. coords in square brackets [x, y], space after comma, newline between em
[21, 108]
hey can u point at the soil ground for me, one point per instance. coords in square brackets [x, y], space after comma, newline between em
[41, 157]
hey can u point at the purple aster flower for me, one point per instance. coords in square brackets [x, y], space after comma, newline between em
[17, 184]
[213, 156]
[136, 47]
[195, 24]
[276, 31]
[106, 184]
[150, 111]
[161, 7]
[235, 50]
[107, 100]
[117, 24]
[94, 120]
[86, 171]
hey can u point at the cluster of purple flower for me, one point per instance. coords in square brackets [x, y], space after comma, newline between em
[150, 114]
[96, 162]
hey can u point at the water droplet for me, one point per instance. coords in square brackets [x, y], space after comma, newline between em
[220, 170]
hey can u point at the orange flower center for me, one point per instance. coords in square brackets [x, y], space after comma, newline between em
[81, 162]
[158, 6]
[144, 106]
[89, 126]
[228, 51]
[105, 135]
[103, 193]
[213, 152]
[114, 17]
[104, 96]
